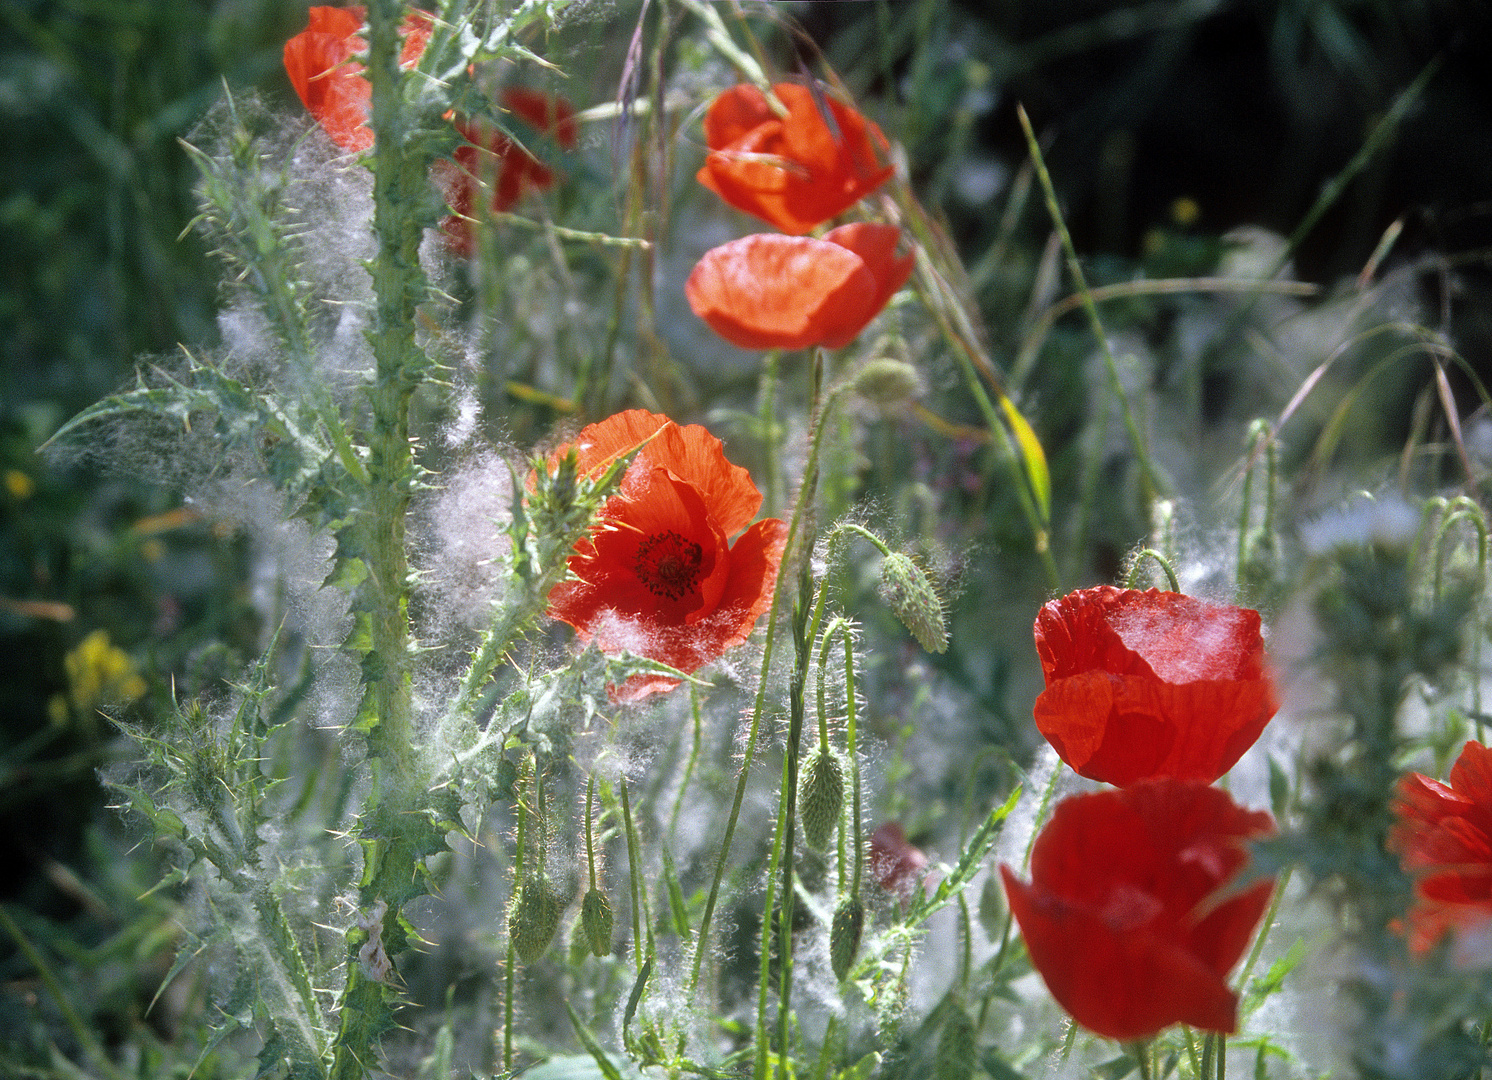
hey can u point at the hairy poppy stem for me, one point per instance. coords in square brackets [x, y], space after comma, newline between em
[1133, 579]
[759, 707]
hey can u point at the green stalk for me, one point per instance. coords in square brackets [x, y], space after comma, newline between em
[1153, 479]
[787, 819]
[70, 1016]
[393, 853]
[761, 691]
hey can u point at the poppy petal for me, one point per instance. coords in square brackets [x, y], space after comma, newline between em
[1143, 684]
[1442, 834]
[766, 291]
[1126, 917]
[657, 577]
[329, 82]
[794, 172]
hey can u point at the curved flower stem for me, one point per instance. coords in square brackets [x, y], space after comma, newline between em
[849, 741]
[1153, 480]
[842, 625]
[1165, 564]
[1473, 514]
[793, 528]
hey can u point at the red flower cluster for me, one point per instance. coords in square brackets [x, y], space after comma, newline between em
[1128, 916]
[1443, 837]
[330, 83]
[658, 576]
[331, 86]
[767, 291]
[795, 171]
[1147, 684]
[490, 156]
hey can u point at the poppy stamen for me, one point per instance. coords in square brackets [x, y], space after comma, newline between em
[669, 565]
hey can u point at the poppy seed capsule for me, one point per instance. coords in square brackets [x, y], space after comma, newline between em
[596, 920]
[820, 796]
[844, 934]
[533, 918]
[909, 593]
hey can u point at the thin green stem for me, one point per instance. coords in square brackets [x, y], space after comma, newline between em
[1153, 479]
[641, 919]
[70, 1016]
[768, 421]
[590, 843]
[1265, 927]
[788, 799]
[759, 707]
[849, 741]
[689, 766]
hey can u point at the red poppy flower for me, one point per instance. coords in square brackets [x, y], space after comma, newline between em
[1443, 836]
[1127, 916]
[488, 156]
[767, 291]
[330, 83]
[1142, 684]
[657, 576]
[794, 172]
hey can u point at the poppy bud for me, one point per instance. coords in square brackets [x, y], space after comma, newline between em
[844, 934]
[885, 381]
[909, 593]
[957, 1057]
[820, 796]
[534, 917]
[596, 921]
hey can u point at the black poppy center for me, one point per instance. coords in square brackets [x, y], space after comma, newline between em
[669, 565]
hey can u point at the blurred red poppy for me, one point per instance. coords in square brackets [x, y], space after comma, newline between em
[796, 171]
[1443, 837]
[657, 577]
[767, 291]
[894, 862]
[1142, 684]
[330, 83]
[1128, 917]
[488, 157]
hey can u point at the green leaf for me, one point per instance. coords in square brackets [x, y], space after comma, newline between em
[969, 864]
[588, 1040]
